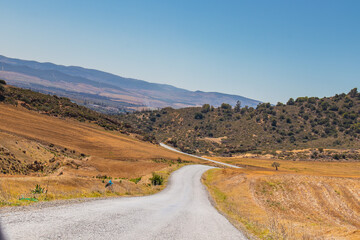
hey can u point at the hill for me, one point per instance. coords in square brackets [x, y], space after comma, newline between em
[51, 148]
[307, 122]
[103, 91]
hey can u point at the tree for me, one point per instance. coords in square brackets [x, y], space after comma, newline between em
[205, 108]
[275, 165]
[353, 92]
[225, 106]
[2, 95]
[291, 102]
[237, 106]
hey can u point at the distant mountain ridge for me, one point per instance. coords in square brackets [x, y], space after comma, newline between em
[105, 91]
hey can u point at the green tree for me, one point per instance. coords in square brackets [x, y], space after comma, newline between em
[353, 93]
[205, 108]
[226, 106]
[291, 102]
[237, 106]
[276, 165]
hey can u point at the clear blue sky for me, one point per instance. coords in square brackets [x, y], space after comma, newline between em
[266, 50]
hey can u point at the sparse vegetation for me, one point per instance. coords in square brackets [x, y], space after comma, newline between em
[135, 180]
[307, 122]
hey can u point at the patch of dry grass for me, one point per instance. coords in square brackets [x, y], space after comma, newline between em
[13, 188]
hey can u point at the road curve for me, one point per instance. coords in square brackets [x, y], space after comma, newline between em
[206, 159]
[181, 211]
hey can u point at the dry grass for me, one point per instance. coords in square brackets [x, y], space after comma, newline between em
[12, 188]
[107, 153]
[304, 200]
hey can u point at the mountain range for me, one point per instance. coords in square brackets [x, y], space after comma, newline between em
[104, 91]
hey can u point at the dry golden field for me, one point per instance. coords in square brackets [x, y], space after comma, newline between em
[81, 151]
[303, 200]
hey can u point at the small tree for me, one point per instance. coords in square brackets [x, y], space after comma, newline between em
[275, 165]
[353, 92]
[205, 108]
[237, 106]
[291, 102]
[226, 106]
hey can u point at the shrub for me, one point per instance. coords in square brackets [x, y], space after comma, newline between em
[2, 82]
[199, 116]
[38, 189]
[156, 179]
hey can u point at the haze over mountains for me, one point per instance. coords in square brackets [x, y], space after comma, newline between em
[104, 91]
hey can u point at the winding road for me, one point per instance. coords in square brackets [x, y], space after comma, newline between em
[202, 158]
[181, 211]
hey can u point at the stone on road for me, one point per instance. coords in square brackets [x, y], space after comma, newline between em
[181, 211]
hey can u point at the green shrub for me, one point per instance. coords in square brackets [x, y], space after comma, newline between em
[38, 189]
[156, 179]
[2, 82]
[199, 116]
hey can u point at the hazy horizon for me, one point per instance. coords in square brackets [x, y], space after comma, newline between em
[268, 51]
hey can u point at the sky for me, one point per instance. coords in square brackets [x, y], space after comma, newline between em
[265, 50]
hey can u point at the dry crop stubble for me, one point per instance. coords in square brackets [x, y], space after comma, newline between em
[303, 200]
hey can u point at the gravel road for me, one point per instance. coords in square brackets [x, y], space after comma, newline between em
[181, 211]
[202, 158]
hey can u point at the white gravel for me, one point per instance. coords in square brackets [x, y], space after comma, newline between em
[181, 211]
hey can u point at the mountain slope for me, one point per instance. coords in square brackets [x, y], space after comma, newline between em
[104, 91]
